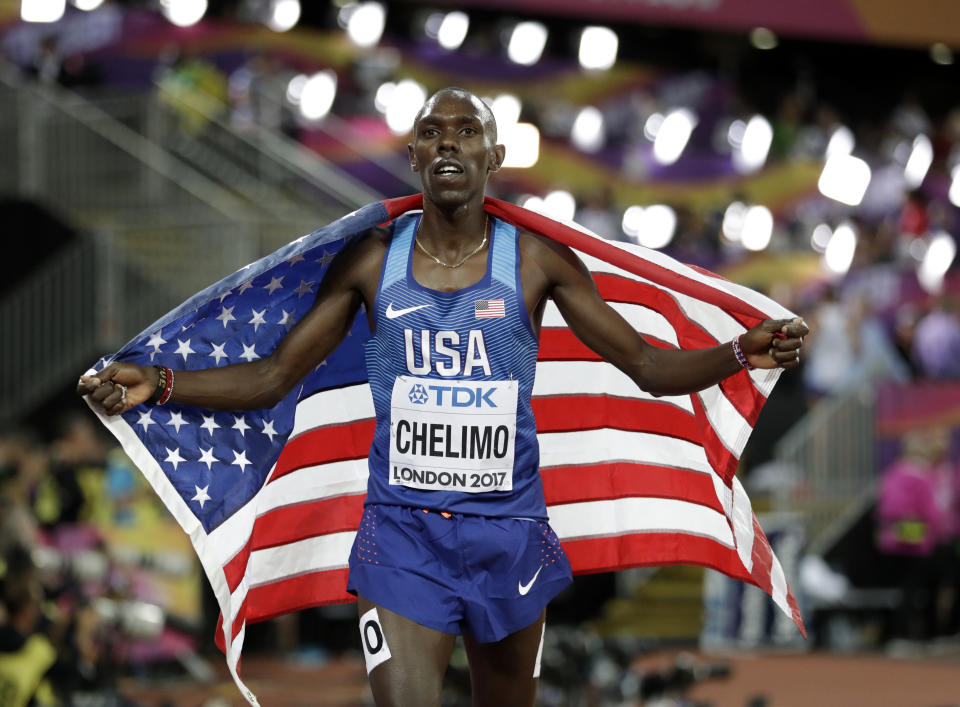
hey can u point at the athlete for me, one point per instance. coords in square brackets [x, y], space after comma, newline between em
[454, 537]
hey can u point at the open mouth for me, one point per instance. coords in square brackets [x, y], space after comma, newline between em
[448, 169]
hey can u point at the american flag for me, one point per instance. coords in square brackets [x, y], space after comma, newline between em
[488, 309]
[271, 499]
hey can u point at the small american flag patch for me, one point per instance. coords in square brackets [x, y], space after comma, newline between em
[488, 309]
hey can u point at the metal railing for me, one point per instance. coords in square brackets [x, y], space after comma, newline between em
[830, 452]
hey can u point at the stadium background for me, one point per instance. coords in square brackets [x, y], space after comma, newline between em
[148, 152]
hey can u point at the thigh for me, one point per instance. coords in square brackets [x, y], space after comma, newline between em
[413, 674]
[502, 673]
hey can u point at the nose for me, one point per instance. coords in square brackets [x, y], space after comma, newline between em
[448, 142]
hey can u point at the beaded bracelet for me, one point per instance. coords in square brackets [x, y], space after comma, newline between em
[738, 352]
[164, 386]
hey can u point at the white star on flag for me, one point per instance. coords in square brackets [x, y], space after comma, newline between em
[296, 259]
[244, 287]
[209, 424]
[326, 259]
[286, 319]
[173, 456]
[226, 316]
[145, 420]
[155, 341]
[305, 288]
[184, 349]
[268, 429]
[240, 424]
[240, 459]
[257, 318]
[207, 457]
[218, 352]
[275, 284]
[176, 419]
[201, 496]
[248, 353]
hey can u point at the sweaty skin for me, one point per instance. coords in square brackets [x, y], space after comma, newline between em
[453, 148]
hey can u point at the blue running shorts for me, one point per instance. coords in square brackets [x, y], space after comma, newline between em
[455, 573]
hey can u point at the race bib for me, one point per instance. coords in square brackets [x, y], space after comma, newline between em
[453, 435]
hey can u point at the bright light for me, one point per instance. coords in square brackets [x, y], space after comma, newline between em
[405, 100]
[317, 95]
[735, 133]
[522, 141]
[672, 135]
[453, 30]
[652, 227]
[42, 10]
[954, 193]
[534, 203]
[754, 145]
[841, 142]
[284, 15]
[384, 95]
[506, 111]
[839, 253]
[560, 204]
[526, 43]
[598, 48]
[820, 237]
[632, 221]
[587, 133]
[921, 157]
[295, 88]
[87, 5]
[762, 38]
[365, 22]
[844, 178]
[941, 54]
[757, 228]
[936, 261]
[184, 13]
[732, 226]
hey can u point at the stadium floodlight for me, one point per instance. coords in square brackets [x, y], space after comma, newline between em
[840, 250]
[673, 134]
[383, 96]
[317, 95]
[921, 157]
[820, 237]
[364, 22]
[735, 133]
[954, 193]
[941, 54]
[588, 131]
[651, 126]
[526, 43]
[405, 101]
[598, 48]
[453, 30]
[632, 221]
[506, 110]
[284, 15]
[657, 226]
[732, 225]
[295, 88]
[87, 5]
[183, 13]
[841, 142]
[844, 178]
[763, 38]
[754, 146]
[522, 142]
[42, 10]
[757, 228]
[560, 204]
[941, 251]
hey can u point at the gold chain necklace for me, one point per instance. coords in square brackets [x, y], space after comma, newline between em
[467, 257]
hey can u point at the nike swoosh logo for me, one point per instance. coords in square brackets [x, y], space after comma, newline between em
[394, 313]
[524, 588]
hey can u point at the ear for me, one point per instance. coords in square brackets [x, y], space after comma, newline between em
[496, 161]
[412, 157]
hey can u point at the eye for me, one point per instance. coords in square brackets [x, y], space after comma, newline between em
[469, 131]
[429, 132]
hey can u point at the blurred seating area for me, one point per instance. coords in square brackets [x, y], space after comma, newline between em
[824, 173]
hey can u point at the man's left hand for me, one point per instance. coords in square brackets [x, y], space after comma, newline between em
[774, 343]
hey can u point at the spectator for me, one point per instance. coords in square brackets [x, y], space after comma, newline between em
[936, 344]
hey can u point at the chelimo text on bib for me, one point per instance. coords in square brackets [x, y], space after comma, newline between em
[453, 435]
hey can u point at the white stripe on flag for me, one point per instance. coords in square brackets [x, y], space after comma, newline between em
[597, 446]
[642, 319]
[325, 552]
[336, 406]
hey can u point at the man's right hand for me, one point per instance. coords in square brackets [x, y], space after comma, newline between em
[119, 387]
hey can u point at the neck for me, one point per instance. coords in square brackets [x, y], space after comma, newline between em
[453, 228]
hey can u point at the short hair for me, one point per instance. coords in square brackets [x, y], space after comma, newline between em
[483, 110]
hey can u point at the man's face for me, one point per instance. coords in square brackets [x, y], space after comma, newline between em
[452, 151]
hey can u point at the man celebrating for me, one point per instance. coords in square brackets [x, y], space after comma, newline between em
[454, 537]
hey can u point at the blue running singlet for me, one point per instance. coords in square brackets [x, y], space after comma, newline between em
[451, 375]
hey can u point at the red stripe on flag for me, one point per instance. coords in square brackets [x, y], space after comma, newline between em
[570, 413]
[561, 344]
[290, 524]
[596, 482]
[235, 568]
[296, 593]
[331, 443]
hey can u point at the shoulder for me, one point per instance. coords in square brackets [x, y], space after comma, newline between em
[555, 260]
[362, 257]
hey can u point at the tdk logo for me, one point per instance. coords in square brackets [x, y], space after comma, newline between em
[418, 395]
[453, 395]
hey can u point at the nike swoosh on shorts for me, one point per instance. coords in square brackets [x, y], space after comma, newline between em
[394, 313]
[524, 588]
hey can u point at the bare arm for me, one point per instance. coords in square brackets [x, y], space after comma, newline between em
[658, 371]
[264, 382]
